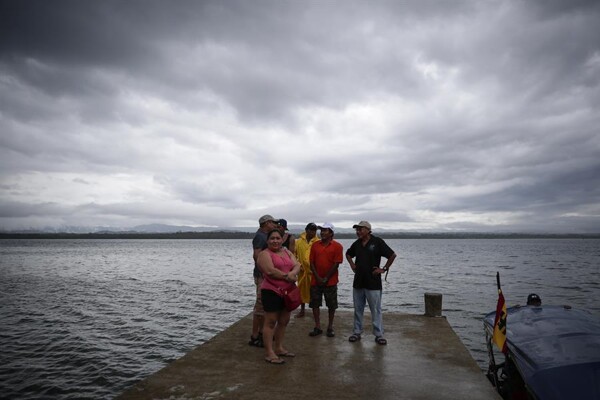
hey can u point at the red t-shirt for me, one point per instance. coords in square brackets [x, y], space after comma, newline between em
[324, 257]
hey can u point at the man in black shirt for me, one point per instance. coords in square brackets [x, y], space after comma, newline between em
[364, 257]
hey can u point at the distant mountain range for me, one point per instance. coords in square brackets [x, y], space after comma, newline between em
[148, 228]
[184, 231]
[156, 228]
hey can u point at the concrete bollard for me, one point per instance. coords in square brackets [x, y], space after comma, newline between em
[433, 304]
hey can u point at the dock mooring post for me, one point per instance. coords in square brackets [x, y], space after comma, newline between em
[433, 304]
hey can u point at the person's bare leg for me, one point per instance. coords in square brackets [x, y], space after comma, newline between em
[257, 322]
[282, 322]
[258, 319]
[331, 317]
[269, 329]
[317, 317]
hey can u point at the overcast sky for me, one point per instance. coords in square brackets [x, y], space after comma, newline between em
[414, 115]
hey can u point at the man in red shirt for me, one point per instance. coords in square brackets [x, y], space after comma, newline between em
[325, 257]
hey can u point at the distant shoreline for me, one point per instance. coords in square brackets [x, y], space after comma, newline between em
[250, 235]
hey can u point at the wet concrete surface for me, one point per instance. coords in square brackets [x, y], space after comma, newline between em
[424, 359]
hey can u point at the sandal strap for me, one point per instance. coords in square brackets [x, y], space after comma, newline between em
[354, 338]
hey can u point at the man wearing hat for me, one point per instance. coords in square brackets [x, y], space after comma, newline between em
[259, 243]
[303, 246]
[325, 257]
[289, 242]
[364, 257]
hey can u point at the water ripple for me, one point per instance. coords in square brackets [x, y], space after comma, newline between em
[88, 318]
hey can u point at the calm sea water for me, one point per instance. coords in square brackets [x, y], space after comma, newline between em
[89, 318]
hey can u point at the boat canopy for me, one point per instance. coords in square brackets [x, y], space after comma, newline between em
[555, 348]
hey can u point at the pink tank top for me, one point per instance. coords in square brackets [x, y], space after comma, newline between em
[283, 263]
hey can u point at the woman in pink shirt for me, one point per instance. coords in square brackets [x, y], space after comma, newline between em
[280, 269]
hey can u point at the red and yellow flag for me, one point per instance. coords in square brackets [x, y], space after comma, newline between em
[499, 336]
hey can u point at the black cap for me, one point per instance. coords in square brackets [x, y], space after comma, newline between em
[283, 223]
[311, 227]
[533, 299]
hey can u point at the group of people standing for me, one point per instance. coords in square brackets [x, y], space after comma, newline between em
[281, 262]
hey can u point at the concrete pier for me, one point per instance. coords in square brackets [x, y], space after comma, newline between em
[424, 359]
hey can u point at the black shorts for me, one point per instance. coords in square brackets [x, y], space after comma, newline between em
[271, 301]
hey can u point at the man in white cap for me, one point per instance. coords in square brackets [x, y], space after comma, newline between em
[364, 257]
[259, 243]
[325, 257]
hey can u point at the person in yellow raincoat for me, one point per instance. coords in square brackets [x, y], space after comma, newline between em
[302, 253]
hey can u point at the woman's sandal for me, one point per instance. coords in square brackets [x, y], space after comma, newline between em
[380, 340]
[277, 361]
[354, 338]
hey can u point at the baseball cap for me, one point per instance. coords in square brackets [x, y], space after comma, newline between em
[266, 218]
[364, 224]
[326, 225]
[311, 226]
[283, 223]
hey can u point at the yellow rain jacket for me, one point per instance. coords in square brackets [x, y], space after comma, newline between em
[303, 255]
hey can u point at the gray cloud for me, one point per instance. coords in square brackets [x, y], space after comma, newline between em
[426, 115]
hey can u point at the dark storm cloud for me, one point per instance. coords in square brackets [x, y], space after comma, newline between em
[76, 33]
[269, 61]
[330, 111]
[261, 48]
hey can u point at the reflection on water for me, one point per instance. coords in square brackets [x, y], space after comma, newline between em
[88, 318]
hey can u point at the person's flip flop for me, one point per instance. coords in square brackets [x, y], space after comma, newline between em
[286, 354]
[315, 332]
[276, 361]
[354, 338]
[380, 340]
